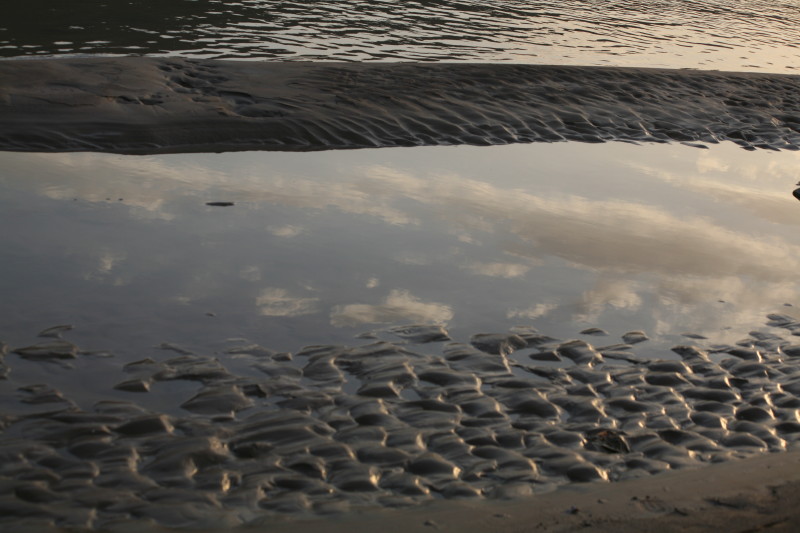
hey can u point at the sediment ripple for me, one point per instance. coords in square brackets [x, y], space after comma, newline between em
[147, 105]
[388, 423]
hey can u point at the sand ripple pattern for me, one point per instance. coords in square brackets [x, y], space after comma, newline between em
[740, 34]
[143, 105]
[392, 423]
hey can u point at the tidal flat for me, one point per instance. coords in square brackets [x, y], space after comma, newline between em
[220, 339]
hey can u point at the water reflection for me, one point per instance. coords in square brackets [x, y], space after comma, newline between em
[719, 34]
[321, 247]
[398, 307]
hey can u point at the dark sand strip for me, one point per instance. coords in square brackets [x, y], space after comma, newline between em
[159, 105]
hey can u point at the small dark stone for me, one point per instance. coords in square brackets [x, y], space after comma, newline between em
[607, 440]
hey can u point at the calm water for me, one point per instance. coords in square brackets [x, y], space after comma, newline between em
[322, 247]
[712, 34]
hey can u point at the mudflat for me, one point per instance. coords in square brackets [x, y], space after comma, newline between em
[565, 435]
[429, 419]
[142, 105]
[758, 494]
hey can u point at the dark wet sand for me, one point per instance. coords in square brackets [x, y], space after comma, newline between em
[143, 105]
[331, 432]
[758, 494]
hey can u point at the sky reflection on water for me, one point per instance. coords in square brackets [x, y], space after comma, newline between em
[323, 246]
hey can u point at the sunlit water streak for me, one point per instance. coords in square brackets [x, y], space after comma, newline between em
[715, 34]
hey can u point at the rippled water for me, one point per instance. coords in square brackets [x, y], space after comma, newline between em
[713, 34]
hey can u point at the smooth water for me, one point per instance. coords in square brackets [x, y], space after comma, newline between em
[320, 248]
[750, 35]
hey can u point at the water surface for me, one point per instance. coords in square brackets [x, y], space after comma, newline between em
[715, 34]
[322, 247]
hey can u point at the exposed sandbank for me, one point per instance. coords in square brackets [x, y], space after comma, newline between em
[157, 105]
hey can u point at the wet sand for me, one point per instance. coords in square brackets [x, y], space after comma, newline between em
[758, 494]
[139, 105]
[332, 431]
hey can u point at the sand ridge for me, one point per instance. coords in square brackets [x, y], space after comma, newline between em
[142, 105]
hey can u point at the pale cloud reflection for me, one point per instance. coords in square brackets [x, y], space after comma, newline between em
[533, 312]
[612, 235]
[605, 234]
[498, 270]
[287, 231]
[348, 196]
[759, 168]
[629, 237]
[685, 258]
[712, 163]
[735, 307]
[278, 302]
[144, 187]
[771, 202]
[399, 305]
[608, 292]
[412, 258]
[107, 264]
[779, 207]
[250, 273]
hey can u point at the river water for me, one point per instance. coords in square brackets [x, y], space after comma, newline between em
[750, 35]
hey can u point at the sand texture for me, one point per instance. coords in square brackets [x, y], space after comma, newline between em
[144, 105]
[332, 430]
[758, 494]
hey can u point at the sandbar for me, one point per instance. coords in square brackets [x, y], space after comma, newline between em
[145, 105]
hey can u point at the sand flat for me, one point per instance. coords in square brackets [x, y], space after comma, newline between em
[311, 446]
[757, 494]
[144, 105]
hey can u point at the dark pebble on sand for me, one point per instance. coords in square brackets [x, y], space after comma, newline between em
[607, 440]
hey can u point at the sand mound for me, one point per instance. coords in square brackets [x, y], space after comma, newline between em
[154, 105]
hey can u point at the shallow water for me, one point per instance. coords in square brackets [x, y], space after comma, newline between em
[714, 34]
[322, 247]
[489, 322]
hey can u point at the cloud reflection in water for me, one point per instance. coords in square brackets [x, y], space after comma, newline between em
[474, 236]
